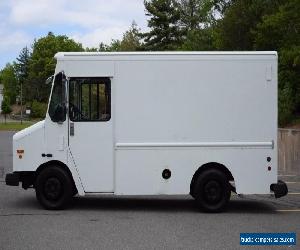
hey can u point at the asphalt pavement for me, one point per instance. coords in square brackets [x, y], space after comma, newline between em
[163, 222]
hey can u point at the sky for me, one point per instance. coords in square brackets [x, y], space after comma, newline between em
[86, 21]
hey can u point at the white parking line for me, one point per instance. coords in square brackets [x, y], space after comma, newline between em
[289, 175]
[288, 210]
[294, 193]
[292, 182]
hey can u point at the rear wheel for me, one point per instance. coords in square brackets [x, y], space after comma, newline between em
[54, 188]
[212, 191]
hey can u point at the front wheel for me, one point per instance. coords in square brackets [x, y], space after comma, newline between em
[212, 191]
[54, 188]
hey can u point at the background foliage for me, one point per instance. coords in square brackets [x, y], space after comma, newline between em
[198, 25]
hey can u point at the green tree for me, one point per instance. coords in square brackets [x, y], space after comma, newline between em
[103, 47]
[196, 14]
[115, 45]
[285, 105]
[199, 40]
[165, 32]
[235, 29]
[289, 84]
[38, 109]
[22, 70]
[197, 19]
[42, 64]
[131, 39]
[5, 107]
[9, 81]
[280, 31]
[22, 64]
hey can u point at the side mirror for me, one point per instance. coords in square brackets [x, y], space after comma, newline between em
[59, 113]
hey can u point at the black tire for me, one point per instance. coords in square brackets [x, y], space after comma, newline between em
[54, 188]
[212, 191]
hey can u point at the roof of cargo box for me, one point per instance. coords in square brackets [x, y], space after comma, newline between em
[63, 55]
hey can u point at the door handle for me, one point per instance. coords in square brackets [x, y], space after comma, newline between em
[72, 129]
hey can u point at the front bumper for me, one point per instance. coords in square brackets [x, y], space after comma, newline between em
[12, 179]
[280, 189]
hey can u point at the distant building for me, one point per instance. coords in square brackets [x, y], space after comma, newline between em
[1, 95]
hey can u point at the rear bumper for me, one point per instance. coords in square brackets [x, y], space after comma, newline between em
[280, 189]
[12, 179]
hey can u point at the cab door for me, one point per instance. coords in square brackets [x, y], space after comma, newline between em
[56, 123]
[91, 132]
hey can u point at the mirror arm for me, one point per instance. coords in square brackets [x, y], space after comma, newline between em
[49, 80]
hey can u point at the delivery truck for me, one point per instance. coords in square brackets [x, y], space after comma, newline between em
[154, 123]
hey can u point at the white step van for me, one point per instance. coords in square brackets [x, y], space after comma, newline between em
[158, 123]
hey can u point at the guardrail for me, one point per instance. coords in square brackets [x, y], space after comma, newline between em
[289, 150]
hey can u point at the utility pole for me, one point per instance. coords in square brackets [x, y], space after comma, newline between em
[21, 102]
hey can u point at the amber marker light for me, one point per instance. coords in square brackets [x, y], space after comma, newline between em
[20, 153]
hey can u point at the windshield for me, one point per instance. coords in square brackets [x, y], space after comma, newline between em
[58, 98]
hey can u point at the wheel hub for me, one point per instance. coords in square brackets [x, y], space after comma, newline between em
[52, 188]
[213, 191]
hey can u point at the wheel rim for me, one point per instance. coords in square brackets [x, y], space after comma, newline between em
[53, 189]
[212, 192]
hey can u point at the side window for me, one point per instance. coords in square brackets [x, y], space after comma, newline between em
[89, 99]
